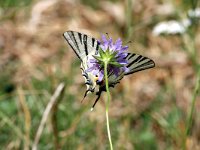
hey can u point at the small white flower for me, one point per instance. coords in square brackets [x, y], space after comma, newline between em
[176, 27]
[171, 27]
[194, 13]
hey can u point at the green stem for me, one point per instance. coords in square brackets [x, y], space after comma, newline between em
[107, 104]
[129, 16]
[191, 113]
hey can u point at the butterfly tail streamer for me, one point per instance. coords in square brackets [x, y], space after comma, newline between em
[97, 99]
[85, 95]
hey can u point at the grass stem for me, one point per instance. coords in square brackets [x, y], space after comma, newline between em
[192, 109]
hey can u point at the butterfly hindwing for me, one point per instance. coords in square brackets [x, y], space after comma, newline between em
[137, 63]
[82, 44]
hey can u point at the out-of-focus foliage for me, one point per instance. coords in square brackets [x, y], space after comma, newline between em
[14, 3]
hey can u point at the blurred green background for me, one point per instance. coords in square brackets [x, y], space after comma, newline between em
[156, 109]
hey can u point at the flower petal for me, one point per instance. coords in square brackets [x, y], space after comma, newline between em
[101, 74]
[122, 61]
[104, 39]
[126, 69]
[124, 48]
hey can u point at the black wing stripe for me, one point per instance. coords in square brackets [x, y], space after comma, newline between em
[74, 39]
[80, 37]
[97, 48]
[131, 56]
[143, 58]
[85, 44]
[127, 56]
[93, 40]
[134, 61]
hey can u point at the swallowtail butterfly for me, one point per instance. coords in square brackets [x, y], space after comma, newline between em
[85, 46]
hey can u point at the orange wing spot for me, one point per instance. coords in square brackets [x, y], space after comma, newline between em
[96, 78]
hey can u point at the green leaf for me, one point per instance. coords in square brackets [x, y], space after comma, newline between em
[102, 53]
[114, 63]
[98, 58]
[114, 53]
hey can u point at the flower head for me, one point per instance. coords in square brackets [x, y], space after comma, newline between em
[111, 53]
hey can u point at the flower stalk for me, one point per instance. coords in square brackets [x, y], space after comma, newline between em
[107, 105]
[111, 60]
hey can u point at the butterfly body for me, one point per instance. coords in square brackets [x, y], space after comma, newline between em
[90, 79]
[86, 46]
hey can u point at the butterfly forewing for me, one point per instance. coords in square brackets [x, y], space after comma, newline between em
[82, 44]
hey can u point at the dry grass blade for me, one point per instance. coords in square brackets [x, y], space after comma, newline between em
[48, 109]
[54, 121]
[27, 117]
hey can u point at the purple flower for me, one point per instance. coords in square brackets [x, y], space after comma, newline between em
[95, 68]
[113, 53]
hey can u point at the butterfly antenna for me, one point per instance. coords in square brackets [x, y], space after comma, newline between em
[85, 95]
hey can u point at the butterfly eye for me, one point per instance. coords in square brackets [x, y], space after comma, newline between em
[96, 78]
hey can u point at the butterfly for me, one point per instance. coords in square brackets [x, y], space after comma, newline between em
[86, 46]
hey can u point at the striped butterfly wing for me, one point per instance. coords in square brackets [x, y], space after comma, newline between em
[136, 63]
[82, 44]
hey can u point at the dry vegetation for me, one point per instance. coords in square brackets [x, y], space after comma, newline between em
[149, 109]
